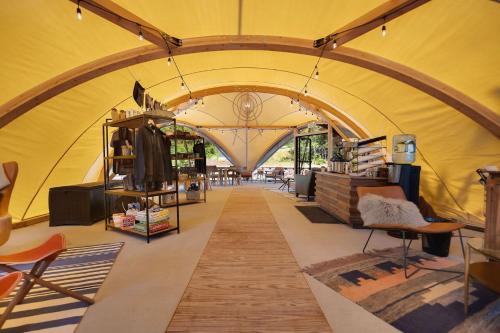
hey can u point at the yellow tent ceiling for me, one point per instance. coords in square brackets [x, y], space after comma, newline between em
[57, 142]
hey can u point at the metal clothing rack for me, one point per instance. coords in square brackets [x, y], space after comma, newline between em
[190, 158]
[134, 123]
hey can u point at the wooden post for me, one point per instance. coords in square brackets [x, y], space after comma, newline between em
[330, 142]
[492, 228]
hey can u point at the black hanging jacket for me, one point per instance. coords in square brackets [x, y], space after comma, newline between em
[153, 162]
[200, 164]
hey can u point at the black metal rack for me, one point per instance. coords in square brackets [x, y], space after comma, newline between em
[134, 123]
[191, 159]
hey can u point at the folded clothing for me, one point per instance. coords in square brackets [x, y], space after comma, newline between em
[153, 227]
[161, 215]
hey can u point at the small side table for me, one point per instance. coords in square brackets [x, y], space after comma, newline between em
[486, 273]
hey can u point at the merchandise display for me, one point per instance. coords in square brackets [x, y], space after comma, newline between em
[359, 157]
[155, 215]
[192, 172]
[150, 175]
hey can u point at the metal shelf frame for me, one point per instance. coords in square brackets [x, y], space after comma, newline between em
[134, 123]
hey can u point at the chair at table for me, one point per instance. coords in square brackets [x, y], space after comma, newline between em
[233, 176]
[41, 256]
[275, 174]
[396, 192]
[213, 175]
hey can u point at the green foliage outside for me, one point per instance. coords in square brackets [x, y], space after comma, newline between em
[284, 156]
[214, 155]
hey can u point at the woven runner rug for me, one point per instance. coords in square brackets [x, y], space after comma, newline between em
[247, 279]
[427, 302]
[81, 269]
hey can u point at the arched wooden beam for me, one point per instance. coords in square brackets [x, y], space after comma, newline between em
[348, 121]
[448, 95]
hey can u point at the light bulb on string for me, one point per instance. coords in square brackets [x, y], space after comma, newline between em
[141, 36]
[202, 101]
[305, 91]
[169, 61]
[384, 31]
[182, 85]
[78, 11]
[316, 76]
[334, 45]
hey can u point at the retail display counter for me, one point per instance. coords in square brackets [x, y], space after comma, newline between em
[336, 194]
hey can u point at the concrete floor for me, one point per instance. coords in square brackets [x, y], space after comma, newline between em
[146, 283]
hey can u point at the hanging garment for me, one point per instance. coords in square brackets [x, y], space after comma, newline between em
[120, 139]
[153, 162]
[157, 106]
[149, 102]
[200, 164]
[139, 93]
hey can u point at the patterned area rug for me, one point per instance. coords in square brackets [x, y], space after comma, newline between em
[81, 269]
[427, 302]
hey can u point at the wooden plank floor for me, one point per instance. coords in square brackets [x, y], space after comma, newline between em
[247, 279]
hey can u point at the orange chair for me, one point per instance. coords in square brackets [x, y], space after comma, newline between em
[396, 192]
[41, 257]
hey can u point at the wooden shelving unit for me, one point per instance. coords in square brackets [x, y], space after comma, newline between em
[135, 123]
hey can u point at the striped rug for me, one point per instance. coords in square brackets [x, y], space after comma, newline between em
[81, 269]
[429, 301]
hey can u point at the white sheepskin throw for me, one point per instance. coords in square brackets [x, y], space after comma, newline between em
[376, 209]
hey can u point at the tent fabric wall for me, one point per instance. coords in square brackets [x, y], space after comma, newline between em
[57, 142]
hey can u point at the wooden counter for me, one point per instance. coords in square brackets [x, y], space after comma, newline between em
[336, 194]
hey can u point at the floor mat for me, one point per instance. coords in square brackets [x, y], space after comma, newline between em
[82, 269]
[427, 302]
[317, 215]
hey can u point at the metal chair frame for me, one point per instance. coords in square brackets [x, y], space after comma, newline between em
[35, 277]
[407, 261]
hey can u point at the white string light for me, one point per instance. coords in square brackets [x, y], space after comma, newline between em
[169, 61]
[316, 76]
[384, 31]
[334, 45]
[141, 36]
[182, 85]
[78, 11]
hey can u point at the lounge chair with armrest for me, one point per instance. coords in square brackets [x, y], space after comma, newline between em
[396, 192]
